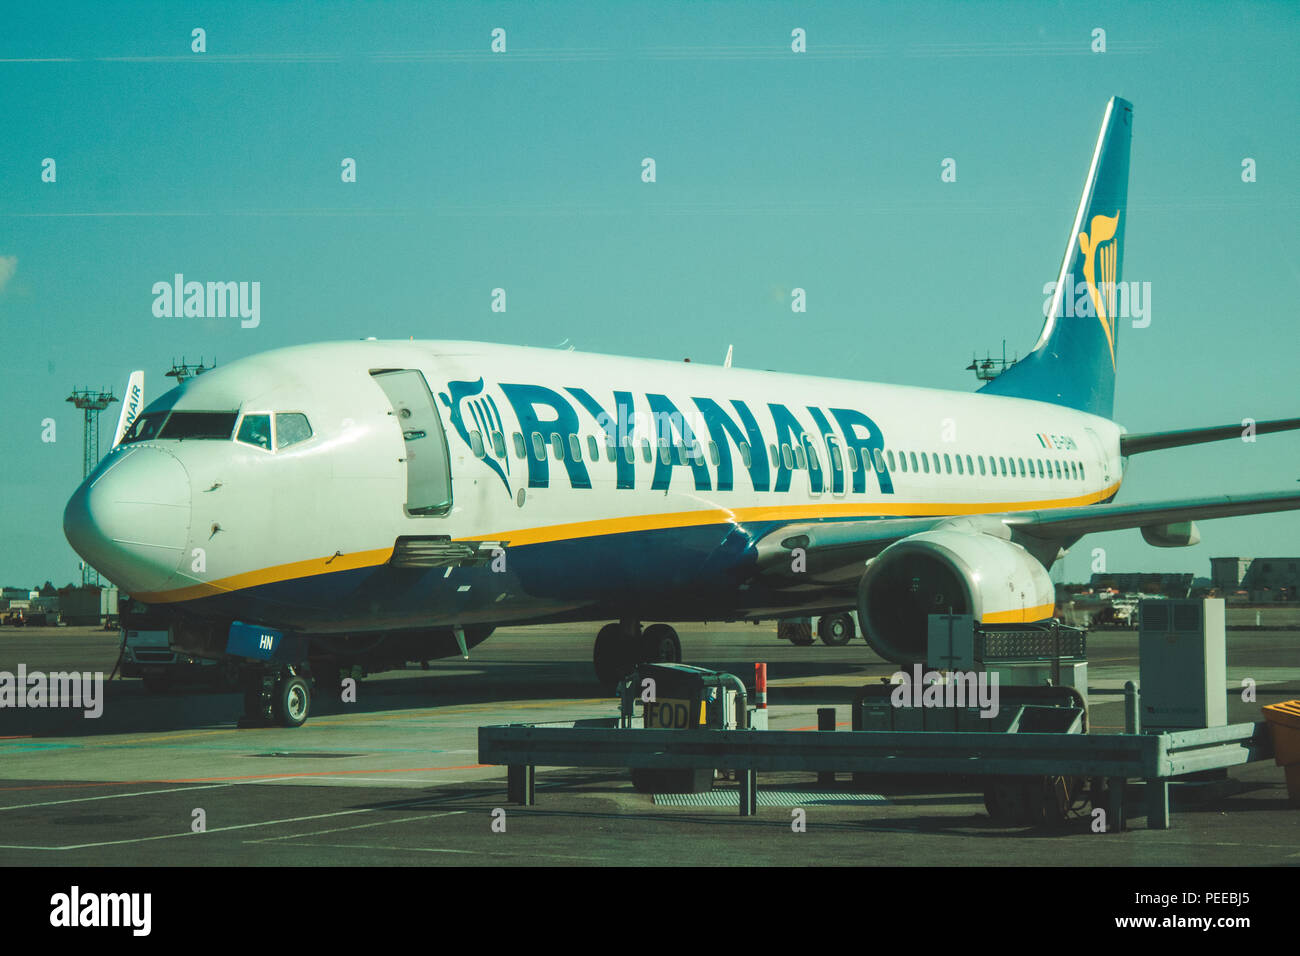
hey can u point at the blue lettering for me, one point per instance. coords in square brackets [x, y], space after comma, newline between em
[525, 399]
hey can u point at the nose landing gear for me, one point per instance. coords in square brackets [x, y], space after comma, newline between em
[275, 696]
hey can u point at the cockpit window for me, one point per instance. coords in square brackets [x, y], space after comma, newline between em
[255, 430]
[213, 425]
[144, 427]
[291, 428]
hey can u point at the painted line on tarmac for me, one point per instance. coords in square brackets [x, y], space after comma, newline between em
[359, 826]
[111, 796]
[531, 854]
[189, 833]
[248, 778]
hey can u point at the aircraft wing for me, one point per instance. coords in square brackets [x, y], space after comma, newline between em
[837, 544]
[1157, 441]
[1063, 523]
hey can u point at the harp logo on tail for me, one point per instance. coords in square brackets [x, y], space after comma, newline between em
[1100, 260]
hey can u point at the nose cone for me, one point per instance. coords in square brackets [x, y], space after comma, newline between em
[131, 521]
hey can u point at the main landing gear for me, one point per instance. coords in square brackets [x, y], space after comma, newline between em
[623, 645]
[275, 696]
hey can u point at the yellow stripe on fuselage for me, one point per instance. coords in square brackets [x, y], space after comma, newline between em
[1019, 615]
[843, 509]
[622, 525]
[272, 575]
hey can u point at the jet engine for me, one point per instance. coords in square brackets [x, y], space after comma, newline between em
[947, 572]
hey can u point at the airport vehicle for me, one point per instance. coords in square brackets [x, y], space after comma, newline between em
[835, 630]
[405, 497]
[147, 654]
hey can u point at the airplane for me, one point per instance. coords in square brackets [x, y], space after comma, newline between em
[401, 499]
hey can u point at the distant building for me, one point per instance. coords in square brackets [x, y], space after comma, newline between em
[1227, 573]
[1264, 579]
[1139, 582]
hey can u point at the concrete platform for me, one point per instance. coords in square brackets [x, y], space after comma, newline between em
[394, 778]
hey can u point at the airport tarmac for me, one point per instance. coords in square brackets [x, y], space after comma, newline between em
[394, 779]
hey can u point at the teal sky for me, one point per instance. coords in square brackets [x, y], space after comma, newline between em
[522, 170]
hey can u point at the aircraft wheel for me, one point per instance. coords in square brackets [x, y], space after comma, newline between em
[612, 654]
[292, 702]
[836, 630]
[796, 631]
[661, 645]
[1007, 800]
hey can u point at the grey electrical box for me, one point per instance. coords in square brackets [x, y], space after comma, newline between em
[1182, 665]
[951, 643]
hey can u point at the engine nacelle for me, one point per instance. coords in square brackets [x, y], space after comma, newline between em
[947, 572]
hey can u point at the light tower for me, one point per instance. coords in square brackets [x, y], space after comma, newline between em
[91, 402]
[185, 370]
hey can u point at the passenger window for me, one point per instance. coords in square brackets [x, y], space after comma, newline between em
[902, 460]
[539, 447]
[837, 463]
[775, 459]
[934, 456]
[959, 471]
[647, 454]
[890, 456]
[575, 448]
[1020, 466]
[800, 461]
[1081, 474]
[1002, 466]
[290, 428]
[714, 456]
[925, 462]
[912, 455]
[1057, 466]
[255, 430]
[611, 450]
[745, 456]
[681, 454]
[970, 466]
[557, 446]
[981, 460]
[814, 462]
[520, 448]
[879, 458]
[787, 459]
[947, 464]
[593, 450]
[476, 443]
[629, 453]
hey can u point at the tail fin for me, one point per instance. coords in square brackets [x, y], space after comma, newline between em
[1074, 362]
[131, 406]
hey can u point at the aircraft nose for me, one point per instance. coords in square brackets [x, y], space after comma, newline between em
[131, 522]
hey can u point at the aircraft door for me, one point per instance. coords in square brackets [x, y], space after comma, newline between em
[428, 464]
[1100, 459]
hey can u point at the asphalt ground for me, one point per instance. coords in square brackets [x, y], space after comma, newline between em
[394, 778]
